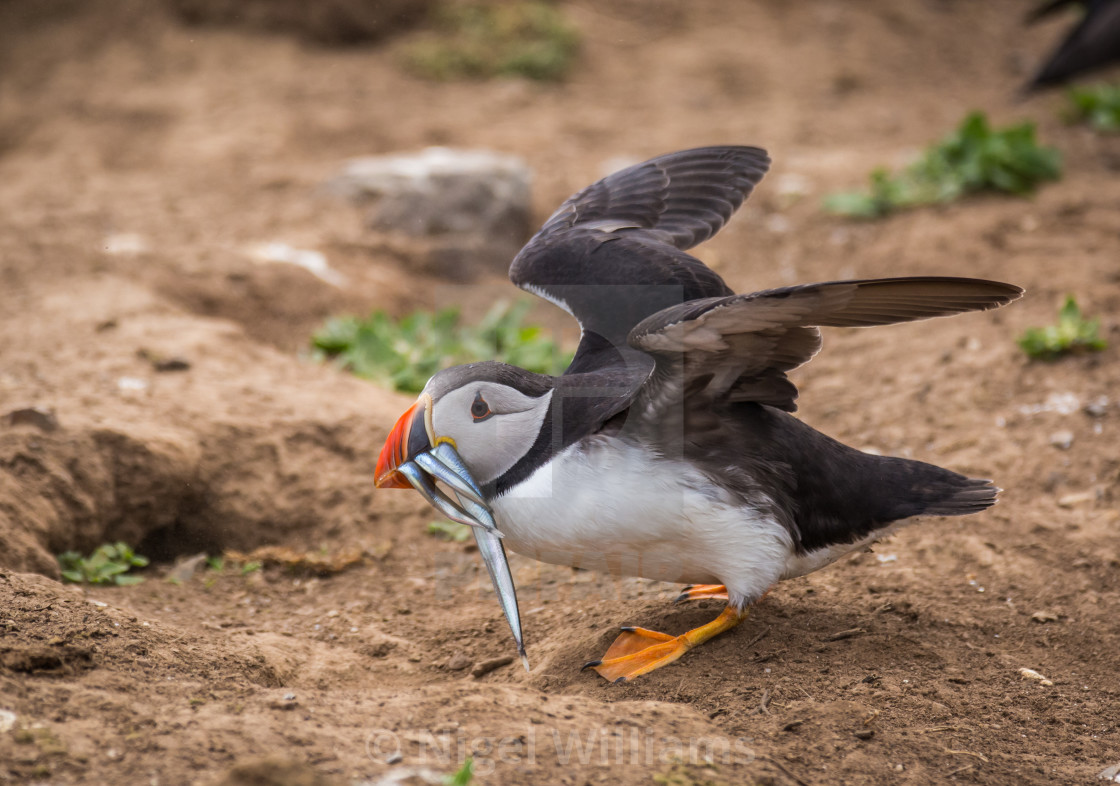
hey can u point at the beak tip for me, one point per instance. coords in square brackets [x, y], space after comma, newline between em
[395, 451]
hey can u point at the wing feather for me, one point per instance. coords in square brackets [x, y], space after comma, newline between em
[746, 343]
[631, 230]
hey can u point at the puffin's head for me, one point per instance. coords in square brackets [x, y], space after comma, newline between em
[489, 414]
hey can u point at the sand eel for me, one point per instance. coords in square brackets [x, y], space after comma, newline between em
[666, 450]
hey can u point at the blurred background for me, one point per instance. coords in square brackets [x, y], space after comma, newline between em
[212, 212]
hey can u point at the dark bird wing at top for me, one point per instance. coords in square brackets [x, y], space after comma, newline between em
[614, 253]
[739, 348]
[1093, 43]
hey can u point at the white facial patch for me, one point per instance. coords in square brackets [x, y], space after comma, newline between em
[490, 445]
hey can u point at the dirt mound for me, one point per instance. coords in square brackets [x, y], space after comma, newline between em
[182, 460]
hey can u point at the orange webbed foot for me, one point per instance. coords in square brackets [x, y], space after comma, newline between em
[639, 651]
[702, 592]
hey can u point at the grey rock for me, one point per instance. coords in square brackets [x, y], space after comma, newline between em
[471, 207]
[1062, 439]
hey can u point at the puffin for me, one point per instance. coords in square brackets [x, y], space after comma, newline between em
[668, 448]
[1092, 44]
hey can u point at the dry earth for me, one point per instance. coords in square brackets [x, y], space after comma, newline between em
[140, 159]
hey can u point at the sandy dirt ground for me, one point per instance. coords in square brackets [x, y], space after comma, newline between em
[141, 160]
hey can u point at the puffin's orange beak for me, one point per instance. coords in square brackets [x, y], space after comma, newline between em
[408, 438]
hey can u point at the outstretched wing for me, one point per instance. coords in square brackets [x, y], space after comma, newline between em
[1094, 42]
[739, 348]
[614, 253]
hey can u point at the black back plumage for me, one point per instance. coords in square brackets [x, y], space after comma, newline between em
[825, 492]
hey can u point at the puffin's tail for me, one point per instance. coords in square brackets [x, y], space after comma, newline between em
[971, 495]
[915, 488]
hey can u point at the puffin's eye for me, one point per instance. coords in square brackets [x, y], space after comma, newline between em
[480, 410]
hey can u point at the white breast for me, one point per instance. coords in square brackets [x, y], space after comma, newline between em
[614, 506]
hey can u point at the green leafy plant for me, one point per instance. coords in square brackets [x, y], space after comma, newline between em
[478, 40]
[108, 564]
[975, 157]
[463, 776]
[1073, 333]
[449, 530]
[1097, 105]
[404, 354]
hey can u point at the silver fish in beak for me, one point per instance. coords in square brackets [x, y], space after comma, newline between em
[408, 460]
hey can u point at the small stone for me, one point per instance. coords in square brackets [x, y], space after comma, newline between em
[1043, 617]
[125, 244]
[285, 702]
[1072, 500]
[458, 662]
[132, 384]
[37, 417]
[865, 734]
[487, 666]
[314, 262]
[171, 364]
[1062, 439]
[1031, 674]
[1098, 407]
[7, 721]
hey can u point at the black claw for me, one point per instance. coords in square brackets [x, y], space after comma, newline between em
[591, 664]
[627, 628]
[682, 596]
[620, 680]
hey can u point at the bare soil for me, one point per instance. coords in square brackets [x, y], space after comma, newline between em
[141, 159]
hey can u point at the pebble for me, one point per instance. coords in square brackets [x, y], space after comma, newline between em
[1031, 674]
[1062, 439]
[1071, 500]
[458, 662]
[1098, 407]
[42, 419]
[487, 666]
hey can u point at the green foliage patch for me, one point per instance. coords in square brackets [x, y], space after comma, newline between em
[108, 564]
[479, 40]
[1096, 105]
[449, 530]
[975, 157]
[1072, 334]
[404, 354]
[463, 776]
